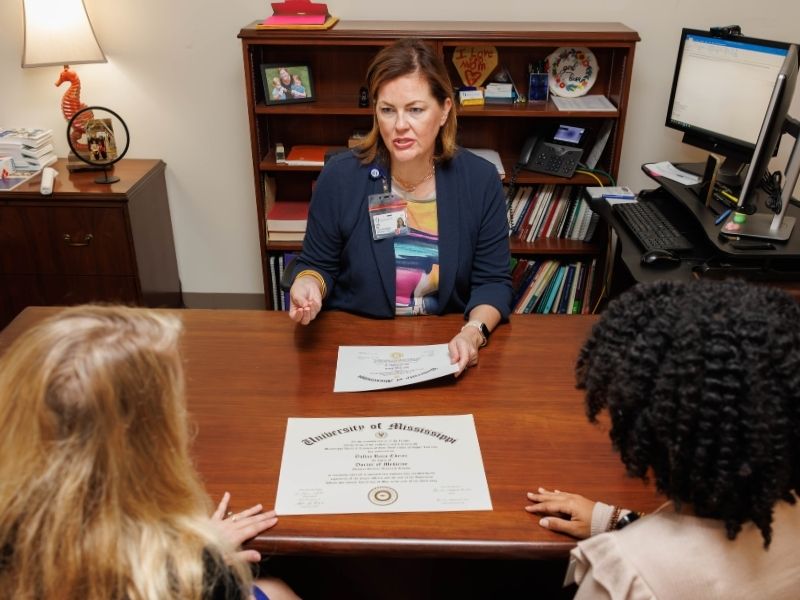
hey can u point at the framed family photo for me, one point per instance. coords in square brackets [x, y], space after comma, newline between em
[287, 83]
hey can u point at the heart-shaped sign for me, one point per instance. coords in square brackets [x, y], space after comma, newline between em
[474, 63]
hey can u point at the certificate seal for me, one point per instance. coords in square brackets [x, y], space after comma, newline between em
[382, 496]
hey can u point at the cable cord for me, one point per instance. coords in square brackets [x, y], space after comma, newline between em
[590, 171]
[771, 183]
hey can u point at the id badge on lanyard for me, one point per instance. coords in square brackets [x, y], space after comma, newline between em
[388, 216]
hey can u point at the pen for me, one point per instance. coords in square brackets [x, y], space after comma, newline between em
[730, 197]
[723, 199]
[722, 217]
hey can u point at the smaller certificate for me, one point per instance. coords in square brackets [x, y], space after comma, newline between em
[381, 464]
[362, 368]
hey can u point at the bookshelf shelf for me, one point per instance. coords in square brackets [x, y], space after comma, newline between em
[338, 60]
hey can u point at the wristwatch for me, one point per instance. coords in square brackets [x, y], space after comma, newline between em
[482, 328]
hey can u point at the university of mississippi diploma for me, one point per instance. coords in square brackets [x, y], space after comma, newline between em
[381, 464]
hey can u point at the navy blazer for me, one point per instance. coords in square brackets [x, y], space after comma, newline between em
[474, 255]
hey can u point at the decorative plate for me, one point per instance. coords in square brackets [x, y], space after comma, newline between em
[572, 71]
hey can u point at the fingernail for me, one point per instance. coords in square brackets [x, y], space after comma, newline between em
[545, 523]
[541, 490]
[530, 494]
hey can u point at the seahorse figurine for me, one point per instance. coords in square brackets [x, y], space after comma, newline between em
[71, 104]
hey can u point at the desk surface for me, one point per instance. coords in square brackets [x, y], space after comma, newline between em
[247, 371]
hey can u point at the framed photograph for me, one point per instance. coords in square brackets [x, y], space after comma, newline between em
[287, 83]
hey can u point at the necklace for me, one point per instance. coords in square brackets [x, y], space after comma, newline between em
[410, 187]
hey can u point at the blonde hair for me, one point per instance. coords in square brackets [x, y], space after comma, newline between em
[407, 57]
[99, 496]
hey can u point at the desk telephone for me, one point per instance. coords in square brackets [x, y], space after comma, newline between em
[557, 154]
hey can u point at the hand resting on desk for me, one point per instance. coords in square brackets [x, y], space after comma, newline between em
[562, 512]
[242, 526]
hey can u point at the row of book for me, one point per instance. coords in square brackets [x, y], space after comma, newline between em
[277, 263]
[551, 211]
[547, 286]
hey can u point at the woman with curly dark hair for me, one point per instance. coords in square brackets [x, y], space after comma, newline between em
[702, 384]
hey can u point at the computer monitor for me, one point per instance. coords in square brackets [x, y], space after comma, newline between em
[776, 122]
[720, 94]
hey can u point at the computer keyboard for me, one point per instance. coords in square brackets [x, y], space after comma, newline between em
[650, 227]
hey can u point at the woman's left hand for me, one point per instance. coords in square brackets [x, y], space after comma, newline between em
[464, 348]
[242, 526]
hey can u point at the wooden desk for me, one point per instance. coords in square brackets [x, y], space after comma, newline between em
[247, 371]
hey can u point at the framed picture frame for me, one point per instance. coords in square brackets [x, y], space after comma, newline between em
[286, 83]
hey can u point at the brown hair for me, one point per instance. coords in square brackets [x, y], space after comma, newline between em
[406, 57]
[100, 499]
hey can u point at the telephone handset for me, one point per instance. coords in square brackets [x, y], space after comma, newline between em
[557, 155]
[526, 154]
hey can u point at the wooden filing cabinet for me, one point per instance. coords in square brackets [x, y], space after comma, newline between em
[89, 242]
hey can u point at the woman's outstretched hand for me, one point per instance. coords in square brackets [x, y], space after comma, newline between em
[305, 300]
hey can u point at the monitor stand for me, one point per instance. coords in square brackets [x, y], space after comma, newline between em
[764, 227]
[776, 227]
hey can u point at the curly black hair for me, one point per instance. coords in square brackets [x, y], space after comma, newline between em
[702, 384]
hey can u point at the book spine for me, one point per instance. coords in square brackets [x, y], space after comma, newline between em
[587, 295]
[542, 204]
[542, 281]
[552, 288]
[275, 283]
[577, 289]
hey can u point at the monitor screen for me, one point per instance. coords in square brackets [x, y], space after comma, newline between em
[721, 90]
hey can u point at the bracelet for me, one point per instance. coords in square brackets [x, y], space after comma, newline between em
[612, 524]
[317, 276]
[627, 519]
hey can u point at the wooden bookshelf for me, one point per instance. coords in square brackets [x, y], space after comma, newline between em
[338, 60]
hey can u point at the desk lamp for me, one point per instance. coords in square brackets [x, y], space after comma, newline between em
[58, 32]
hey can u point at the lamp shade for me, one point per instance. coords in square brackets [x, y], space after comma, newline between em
[58, 32]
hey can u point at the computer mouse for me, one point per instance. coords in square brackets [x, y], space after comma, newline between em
[660, 258]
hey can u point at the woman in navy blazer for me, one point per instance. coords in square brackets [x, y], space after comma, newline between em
[453, 255]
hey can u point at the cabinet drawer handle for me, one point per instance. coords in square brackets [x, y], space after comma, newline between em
[87, 239]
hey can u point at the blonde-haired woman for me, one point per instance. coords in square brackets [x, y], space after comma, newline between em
[100, 499]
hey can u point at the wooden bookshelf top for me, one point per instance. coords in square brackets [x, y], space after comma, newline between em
[528, 32]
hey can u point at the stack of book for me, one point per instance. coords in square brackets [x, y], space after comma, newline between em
[30, 149]
[286, 221]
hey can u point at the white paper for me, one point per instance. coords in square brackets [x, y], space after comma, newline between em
[362, 368]
[670, 171]
[590, 102]
[381, 465]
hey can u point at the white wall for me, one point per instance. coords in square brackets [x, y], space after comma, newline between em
[175, 74]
